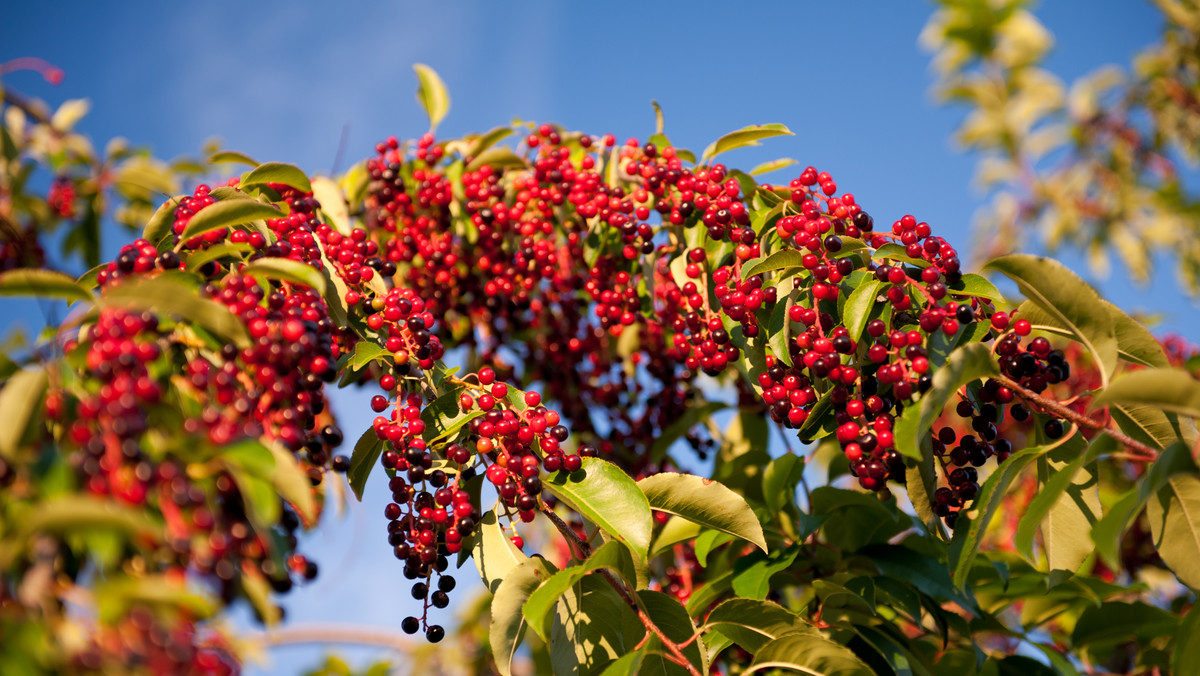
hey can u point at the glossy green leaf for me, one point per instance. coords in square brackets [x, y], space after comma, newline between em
[780, 479]
[705, 502]
[605, 495]
[1068, 299]
[494, 553]
[484, 142]
[921, 481]
[1174, 516]
[1175, 460]
[366, 352]
[443, 417]
[676, 530]
[752, 573]
[1185, 657]
[1147, 424]
[198, 258]
[42, 284]
[287, 270]
[1116, 622]
[431, 94]
[973, 522]
[20, 401]
[1134, 342]
[227, 214]
[593, 627]
[922, 569]
[612, 556]
[1067, 525]
[779, 328]
[752, 624]
[160, 222]
[170, 295]
[1051, 486]
[508, 623]
[231, 156]
[784, 258]
[333, 203]
[857, 310]
[366, 455]
[976, 286]
[253, 467]
[1168, 389]
[773, 165]
[628, 665]
[669, 616]
[966, 364]
[499, 157]
[276, 172]
[808, 654]
[293, 483]
[746, 136]
[707, 542]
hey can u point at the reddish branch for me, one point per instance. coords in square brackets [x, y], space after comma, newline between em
[1145, 453]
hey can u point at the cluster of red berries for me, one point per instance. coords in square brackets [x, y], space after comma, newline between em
[61, 198]
[141, 642]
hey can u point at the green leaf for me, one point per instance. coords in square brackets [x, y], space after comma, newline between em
[231, 156]
[366, 454]
[673, 620]
[746, 136]
[612, 556]
[1168, 389]
[784, 258]
[1174, 516]
[70, 112]
[500, 157]
[20, 402]
[922, 484]
[276, 172]
[658, 117]
[1186, 653]
[1134, 342]
[705, 502]
[1052, 485]
[1073, 304]
[808, 654]
[591, 629]
[628, 665]
[364, 353]
[1067, 525]
[170, 295]
[707, 542]
[431, 94]
[972, 523]
[780, 480]
[752, 624]
[43, 284]
[198, 258]
[508, 622]
[1175, 460]
[920, 569]
[773, 165]
[333, 203]
[288, 270]
[486, 141]
[966, 364]
[159, 225]
[1115, 622]
[443, 417]
[253, 466]
[226, 214]
[677, 529]
[258, 591]
[293, 484]
[976, 286]
[605, 495]
[495, 554]
[779, 328]
[752, 574]
[693, 416]
[857, 310]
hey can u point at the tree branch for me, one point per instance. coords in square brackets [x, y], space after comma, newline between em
[1148, 453]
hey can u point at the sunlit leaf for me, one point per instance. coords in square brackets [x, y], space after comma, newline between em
[605, 495]
[705, 502]
[42, 284]
[746, 136]
[431, 94]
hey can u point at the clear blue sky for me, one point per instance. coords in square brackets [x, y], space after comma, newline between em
[281, 80]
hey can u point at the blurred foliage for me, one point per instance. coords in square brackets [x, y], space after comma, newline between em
[1094, 163]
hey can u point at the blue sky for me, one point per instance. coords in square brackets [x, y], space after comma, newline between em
[282, 80]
